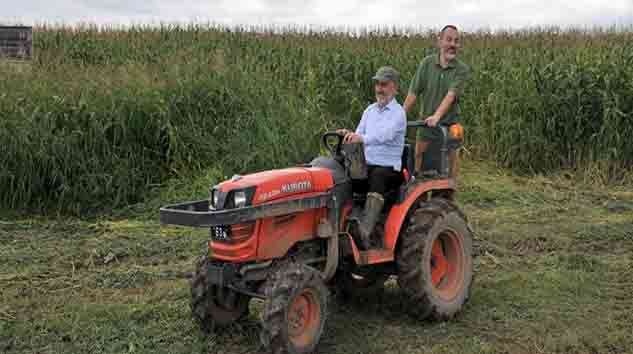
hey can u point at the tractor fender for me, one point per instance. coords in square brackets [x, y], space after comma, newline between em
[400, 211]
[330, 229]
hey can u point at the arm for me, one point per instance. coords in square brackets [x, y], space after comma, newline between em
[361, 125]
[409, 102]
[360, 129]
[443, 108]
[455, 90]
[355, 137]
[415, 88]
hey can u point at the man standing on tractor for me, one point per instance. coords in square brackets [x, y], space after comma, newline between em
[440, 79]
[381, 130]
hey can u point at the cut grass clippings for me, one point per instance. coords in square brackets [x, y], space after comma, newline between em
[551, 276]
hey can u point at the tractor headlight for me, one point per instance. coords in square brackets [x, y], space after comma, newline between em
[239, 199]
[214, 198]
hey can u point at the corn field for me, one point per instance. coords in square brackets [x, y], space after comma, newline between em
[102, 116]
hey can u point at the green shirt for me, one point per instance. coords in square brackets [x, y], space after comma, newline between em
[434, 82]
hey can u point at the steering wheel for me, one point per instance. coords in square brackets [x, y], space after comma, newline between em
[334, 149]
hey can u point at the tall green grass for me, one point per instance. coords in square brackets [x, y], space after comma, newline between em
[102, 115]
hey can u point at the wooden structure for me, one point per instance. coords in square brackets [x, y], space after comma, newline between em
[16, 42]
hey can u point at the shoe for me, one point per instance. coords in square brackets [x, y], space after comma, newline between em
[363, 227]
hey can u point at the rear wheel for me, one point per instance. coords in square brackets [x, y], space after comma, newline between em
[435, 260]
[295, 310]
[212, 305]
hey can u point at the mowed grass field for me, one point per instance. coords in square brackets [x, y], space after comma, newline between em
[553, 263]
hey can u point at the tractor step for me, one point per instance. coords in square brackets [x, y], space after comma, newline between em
[374, 256]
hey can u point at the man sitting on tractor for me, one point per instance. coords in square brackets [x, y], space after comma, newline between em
[382, 129]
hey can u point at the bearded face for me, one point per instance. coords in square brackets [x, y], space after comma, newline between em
[449, 43]
[385, 91]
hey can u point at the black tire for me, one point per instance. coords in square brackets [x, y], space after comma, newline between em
[285, 330]
[440, 221]
[213, 306]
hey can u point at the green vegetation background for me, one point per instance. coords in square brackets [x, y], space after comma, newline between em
[102, 117]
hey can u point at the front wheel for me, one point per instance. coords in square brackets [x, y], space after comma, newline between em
[212, 305]
[295, 309]
[435, 264]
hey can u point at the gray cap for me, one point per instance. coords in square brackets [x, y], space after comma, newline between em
[386, 73]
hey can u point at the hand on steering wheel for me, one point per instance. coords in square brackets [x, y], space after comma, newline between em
[352, 138]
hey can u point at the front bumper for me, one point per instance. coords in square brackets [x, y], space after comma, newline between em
[197, 213]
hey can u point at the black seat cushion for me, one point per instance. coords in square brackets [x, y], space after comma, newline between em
[408, 158]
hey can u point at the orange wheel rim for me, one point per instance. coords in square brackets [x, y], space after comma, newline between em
[447, 265]
[304, 317]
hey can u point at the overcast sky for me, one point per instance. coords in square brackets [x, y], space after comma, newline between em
[469, 14]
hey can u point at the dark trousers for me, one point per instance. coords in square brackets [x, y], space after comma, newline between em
[379, 180]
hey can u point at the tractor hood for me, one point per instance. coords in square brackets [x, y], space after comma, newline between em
[278, 184]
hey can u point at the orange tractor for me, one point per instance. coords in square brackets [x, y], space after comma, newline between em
[282, 236]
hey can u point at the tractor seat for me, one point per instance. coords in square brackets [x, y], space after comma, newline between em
[408, 162]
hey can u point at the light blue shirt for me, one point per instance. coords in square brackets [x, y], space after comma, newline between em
[383, 130]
